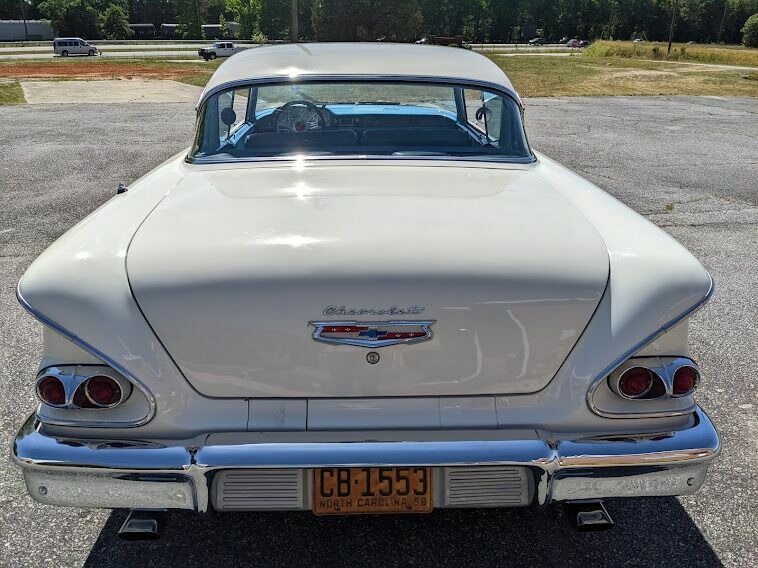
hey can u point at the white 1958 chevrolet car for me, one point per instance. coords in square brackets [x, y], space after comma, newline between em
[361, 291]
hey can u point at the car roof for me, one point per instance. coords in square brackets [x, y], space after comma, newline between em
[337, 60]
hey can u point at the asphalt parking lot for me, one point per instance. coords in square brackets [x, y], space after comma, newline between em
[689, 164]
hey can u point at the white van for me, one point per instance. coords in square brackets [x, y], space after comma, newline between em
[65, 46]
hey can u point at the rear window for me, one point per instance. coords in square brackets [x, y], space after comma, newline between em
[367, 118]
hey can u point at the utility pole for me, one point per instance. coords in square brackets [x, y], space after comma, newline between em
[23, 15]
[671, 31]
[723, 19]
[293, 22]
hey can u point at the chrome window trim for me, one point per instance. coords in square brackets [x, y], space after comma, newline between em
[73, 338]
[632, 351]
[315, 78]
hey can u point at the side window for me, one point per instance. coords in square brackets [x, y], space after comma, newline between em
[484, 111]
[493, 111]
[232, 112]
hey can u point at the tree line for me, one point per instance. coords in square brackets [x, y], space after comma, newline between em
[704, 21]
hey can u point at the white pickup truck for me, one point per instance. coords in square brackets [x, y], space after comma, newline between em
[218, 49]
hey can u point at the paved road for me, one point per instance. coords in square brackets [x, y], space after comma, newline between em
[152, 54]
[689, 164]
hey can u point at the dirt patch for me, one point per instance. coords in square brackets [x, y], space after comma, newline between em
[93, 70]
[641, 74]
[109, 91]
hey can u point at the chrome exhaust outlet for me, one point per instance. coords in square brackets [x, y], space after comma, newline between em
[142, 524]
[588, 516]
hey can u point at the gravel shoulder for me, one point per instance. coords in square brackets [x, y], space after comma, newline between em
[687, 163]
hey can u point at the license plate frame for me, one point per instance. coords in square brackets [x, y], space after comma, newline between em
[372, 490]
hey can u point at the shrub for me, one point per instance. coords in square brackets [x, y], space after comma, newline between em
[750, 32]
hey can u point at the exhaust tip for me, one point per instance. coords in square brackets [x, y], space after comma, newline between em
[141, 525]
[588, 516]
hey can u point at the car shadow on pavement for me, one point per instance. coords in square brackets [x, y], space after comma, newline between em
[648, 532]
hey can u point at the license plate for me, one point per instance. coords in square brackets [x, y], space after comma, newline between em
[344, 490]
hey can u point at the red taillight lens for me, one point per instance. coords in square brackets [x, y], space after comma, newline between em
[685, 381]
[102, 391]
[51, 391]
[635, 382]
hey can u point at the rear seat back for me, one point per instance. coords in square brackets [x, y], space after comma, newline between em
[321, 139]
[419, 137]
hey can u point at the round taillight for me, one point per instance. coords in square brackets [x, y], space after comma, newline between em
[50, 390]
[102, 391]
[635, 382]
[685, 381]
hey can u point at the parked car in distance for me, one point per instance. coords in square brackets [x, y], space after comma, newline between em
[449, 41]
[360, 290]
[573, 43]
[537, 41]
[638, 40]
[65, 46]
[584, 43]
[218, 49]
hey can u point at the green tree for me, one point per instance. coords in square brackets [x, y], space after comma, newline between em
[115, 23]
[72, 18]
[750, 32]
[223, 32]
[367, 20]
[248, 15]
[191, 18]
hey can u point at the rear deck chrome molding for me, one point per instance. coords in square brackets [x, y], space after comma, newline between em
[73, 338]
[636, 349]
[148, 475]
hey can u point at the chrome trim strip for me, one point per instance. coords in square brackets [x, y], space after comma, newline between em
[316, 78]
[44, 320]
[364, 158]
[676, 461]
[638, 347]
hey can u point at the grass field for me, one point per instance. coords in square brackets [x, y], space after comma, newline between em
[532, 75]
[11, 94]
[582, 75]
[679, 52]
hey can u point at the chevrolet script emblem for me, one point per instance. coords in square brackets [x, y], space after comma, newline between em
[372, 334]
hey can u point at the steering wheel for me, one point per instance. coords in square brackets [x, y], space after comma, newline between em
[299, 116]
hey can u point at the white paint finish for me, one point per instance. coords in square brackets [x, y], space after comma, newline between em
[373, 414]
[277, 414]
[57, 350]
[653, 279]
[233, 264]
[95, 303]
[295, 61]
[468, 412]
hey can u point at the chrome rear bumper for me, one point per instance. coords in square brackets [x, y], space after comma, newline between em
[141, 474]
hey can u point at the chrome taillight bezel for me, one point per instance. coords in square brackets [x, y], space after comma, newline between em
[77, 379]
[40, 378]
[615, 382]
[124, 393]
[694, 386]
[662, 370]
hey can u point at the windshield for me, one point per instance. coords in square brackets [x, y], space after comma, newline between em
[361, 119]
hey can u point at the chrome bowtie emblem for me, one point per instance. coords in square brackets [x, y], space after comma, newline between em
[372, 334]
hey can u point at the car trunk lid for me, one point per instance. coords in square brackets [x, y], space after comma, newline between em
[237, 269]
